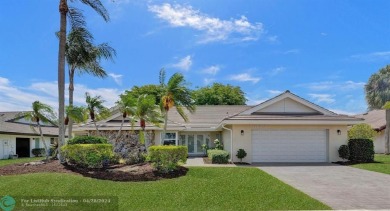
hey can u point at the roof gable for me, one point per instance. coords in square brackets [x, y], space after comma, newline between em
[287, 103]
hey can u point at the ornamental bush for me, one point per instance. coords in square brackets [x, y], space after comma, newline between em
[361, 131]
[241, 154]
[218, 156]
[38, 152]
[87, 140]
[361, 150]
[167, 158]
[344, 152]
[88, 155]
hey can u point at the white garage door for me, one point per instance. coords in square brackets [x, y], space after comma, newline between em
[289, 146]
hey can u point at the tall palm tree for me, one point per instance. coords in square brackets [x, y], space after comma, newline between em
[77, 19]
[82, 55]
[377, 94]
[175, 93]
[127, 106]
[41, 113]
[96, 109]
[146, 111]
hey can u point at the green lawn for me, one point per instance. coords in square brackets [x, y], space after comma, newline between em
[201, 189]
[19, 160]
[383, 166]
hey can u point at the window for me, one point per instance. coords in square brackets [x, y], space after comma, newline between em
[52, 141]
[36, 142]
[169, 139]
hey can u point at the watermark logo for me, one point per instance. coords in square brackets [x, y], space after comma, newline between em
[7, 203]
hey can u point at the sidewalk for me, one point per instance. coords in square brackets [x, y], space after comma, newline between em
[196, 161]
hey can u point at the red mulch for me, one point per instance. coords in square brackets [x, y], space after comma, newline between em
[139, 172]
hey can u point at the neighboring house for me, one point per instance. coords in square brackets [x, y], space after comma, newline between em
[19, 136]
[286, 128]
[377, 120]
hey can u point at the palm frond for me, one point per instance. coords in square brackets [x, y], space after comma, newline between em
[162, 77]
[76, 18]
[98, 7]
[181, 112]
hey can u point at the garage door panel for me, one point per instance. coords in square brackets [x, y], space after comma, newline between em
[289, 146]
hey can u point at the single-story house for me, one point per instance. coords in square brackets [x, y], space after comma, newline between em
[286, 128]
[19, 136]
[377, 120]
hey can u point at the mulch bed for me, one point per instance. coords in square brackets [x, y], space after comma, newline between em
[241, 163]
[138, 172]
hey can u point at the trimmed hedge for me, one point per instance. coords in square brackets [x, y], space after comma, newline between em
[361, 150]
[344, 152]
[167, 158]
[38, 152]
[88, 155]
[87, 140]
[218, 156]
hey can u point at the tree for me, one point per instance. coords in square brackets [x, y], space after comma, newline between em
[377, 94]
[150, 89]
[146, 111]
[127, 106]
[175, 93]
[219, 94]
[96, 109]
[361, 131]
[75, 114]
[77, 19]
[82, 55]
[41, 113]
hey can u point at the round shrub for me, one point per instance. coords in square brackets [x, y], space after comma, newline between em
[38, 152]
[241, 154]
[218, 156]
[167, 158]
[361, 150]
[88, 155]
[87, 140]
[344, 152]
[361, 131]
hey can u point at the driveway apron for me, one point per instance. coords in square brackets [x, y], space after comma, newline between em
[340, 187]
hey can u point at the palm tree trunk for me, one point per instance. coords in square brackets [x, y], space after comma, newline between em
[387, 132]
[165, 125]
[44, 143]
[63, 8]
[97, 130]
[120, 129]
[71, 90]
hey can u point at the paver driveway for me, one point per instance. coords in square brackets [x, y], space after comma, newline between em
[340, 187]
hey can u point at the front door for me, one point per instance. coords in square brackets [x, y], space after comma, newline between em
[194, 142]
[23, 147]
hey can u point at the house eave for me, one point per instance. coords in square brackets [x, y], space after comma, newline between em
[291, 122]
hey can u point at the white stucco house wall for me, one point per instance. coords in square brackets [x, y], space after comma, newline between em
[286, 128]
[19, 137]
[377, 120]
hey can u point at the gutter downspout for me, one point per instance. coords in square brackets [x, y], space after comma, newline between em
[231, 141]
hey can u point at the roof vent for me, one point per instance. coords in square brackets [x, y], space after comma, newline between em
[287, 91]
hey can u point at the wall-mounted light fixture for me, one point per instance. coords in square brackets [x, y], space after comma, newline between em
[338, 132]
[242, 132]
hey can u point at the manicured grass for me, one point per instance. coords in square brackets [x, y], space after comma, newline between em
[201, 189]
[383, 166]
[19, 160]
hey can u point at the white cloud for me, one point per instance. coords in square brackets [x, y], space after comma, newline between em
[212, 70]
[14, 98]
[274, 92]
[117, 78]
[276, 71]
[340, 111]
[323, 34]
[208, 81]
[214, 29]
[244, 77]
[292, 51]
[255, 101]
[374, 56]
[323, 98]
[273, 39]
[184, 63]
[331, 85]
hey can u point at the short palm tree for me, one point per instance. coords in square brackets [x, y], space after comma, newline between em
[41, 113]
[77, 20]
[75, 114]
[96, 109]
[84, 57]
[127, 106]
[146, 111]
[175, 93]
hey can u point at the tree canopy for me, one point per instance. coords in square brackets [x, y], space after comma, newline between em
[219, 94]
[378, 88]
[150, 89]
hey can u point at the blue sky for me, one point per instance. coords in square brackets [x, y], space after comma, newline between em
[323, 51]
